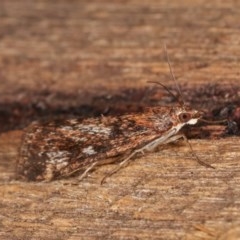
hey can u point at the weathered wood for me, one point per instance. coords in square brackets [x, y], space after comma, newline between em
[94, 48]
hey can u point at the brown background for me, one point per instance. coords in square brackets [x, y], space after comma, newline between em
[85, 57]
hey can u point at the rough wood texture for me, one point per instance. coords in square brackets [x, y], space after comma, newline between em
[61, 55]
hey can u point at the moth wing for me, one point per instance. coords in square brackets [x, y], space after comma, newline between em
[55, 149]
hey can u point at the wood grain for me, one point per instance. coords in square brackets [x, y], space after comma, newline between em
[82, 49]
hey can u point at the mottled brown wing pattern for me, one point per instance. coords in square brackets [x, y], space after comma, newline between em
[56, 149]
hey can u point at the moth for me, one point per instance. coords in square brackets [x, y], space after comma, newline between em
[58, 149]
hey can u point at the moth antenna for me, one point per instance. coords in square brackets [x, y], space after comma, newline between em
[166, 88]
[214, 121]
[181, 101]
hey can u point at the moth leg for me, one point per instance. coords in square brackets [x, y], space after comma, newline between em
[83, 175]
[149, 147]
[178, 136]
[154, 144]
[121, 164]
[195, 156]
[174, 138]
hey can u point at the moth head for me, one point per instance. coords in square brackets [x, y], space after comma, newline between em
[188, 116]
[175, 117]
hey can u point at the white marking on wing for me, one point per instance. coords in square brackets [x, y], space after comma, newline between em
[93, 129]
[89, 150]
[58, 157]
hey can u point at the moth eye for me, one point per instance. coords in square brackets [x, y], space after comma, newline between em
[184, 117]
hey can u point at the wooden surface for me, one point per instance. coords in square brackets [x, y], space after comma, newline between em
[80, 57]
